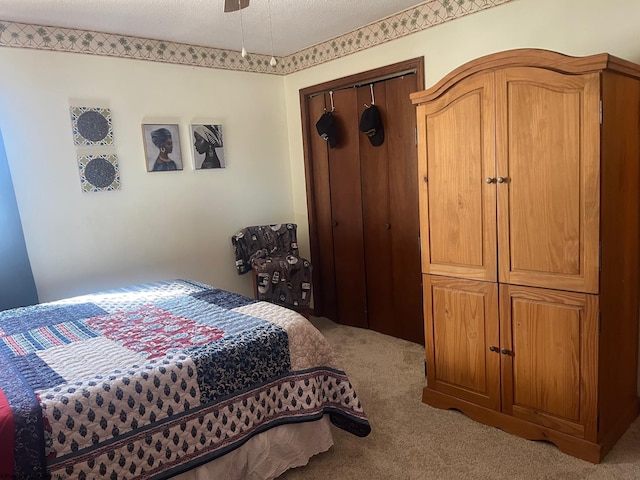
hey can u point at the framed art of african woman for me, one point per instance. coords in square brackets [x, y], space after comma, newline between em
[162, 147]
[208, 146]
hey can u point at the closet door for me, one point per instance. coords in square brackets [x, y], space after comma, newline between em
[346, 212]
[402, 161]
[362, 199]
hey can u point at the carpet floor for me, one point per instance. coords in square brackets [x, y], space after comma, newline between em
[412, 441]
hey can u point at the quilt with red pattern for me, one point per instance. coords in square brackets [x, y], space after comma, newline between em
[152, 380]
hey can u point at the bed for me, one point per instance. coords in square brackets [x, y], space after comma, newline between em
[166, 379]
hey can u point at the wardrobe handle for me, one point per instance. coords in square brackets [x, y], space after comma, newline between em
[490, 180]
[387, 226]
[501, 179]
[504, 351]
[493, 348]
[334, 224]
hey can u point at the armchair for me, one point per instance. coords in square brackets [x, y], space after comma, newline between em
[271, 252]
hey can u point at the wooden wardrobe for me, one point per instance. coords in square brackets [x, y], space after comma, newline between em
[529, 217]
[363, 203]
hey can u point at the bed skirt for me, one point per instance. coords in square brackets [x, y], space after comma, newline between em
[270, 454]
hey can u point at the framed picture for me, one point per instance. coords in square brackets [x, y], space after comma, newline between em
[99, 173]
[91, 126]
[162, 147]
[208, 146]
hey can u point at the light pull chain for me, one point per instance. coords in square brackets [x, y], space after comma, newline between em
[273, 60]
[244, 51]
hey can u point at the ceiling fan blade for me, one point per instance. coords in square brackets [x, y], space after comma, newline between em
[232, 5]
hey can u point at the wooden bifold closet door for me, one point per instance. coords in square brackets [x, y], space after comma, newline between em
[363, 202]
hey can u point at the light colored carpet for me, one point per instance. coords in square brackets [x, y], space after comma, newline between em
[412, 441]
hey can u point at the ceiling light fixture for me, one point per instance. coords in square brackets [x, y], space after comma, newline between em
[273, 60]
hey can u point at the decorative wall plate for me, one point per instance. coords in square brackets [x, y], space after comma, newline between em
[99, 173]
[91, 126]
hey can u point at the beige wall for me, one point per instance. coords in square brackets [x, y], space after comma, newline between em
[160, 224]
[178, 224]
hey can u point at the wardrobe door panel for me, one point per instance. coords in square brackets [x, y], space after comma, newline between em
[462, 338]
[457, 173]
[548, 134]
[346, 212]
[550, 373]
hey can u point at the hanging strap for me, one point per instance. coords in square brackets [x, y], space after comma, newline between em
[373, 98]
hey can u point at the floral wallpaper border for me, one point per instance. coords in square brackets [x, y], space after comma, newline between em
[412, 20]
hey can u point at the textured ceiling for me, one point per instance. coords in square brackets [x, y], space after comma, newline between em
[296, 24]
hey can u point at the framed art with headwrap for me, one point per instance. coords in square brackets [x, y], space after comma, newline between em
[162, 147]
[208, 146]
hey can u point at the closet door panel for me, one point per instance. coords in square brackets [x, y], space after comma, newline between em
[390, 213]
[402, 159]
[346, 212]
[374, 170]
[323, 260]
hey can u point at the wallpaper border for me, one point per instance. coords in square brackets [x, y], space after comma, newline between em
[412, 20]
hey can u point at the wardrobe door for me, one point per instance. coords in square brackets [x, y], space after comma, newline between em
[548, 144]
[346, 212]
[457, 181]
[550, 365]
[462, 339]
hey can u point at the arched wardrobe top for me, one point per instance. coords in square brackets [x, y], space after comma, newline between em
[529, 57]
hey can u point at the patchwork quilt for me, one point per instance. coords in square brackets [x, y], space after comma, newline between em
[152, 380]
